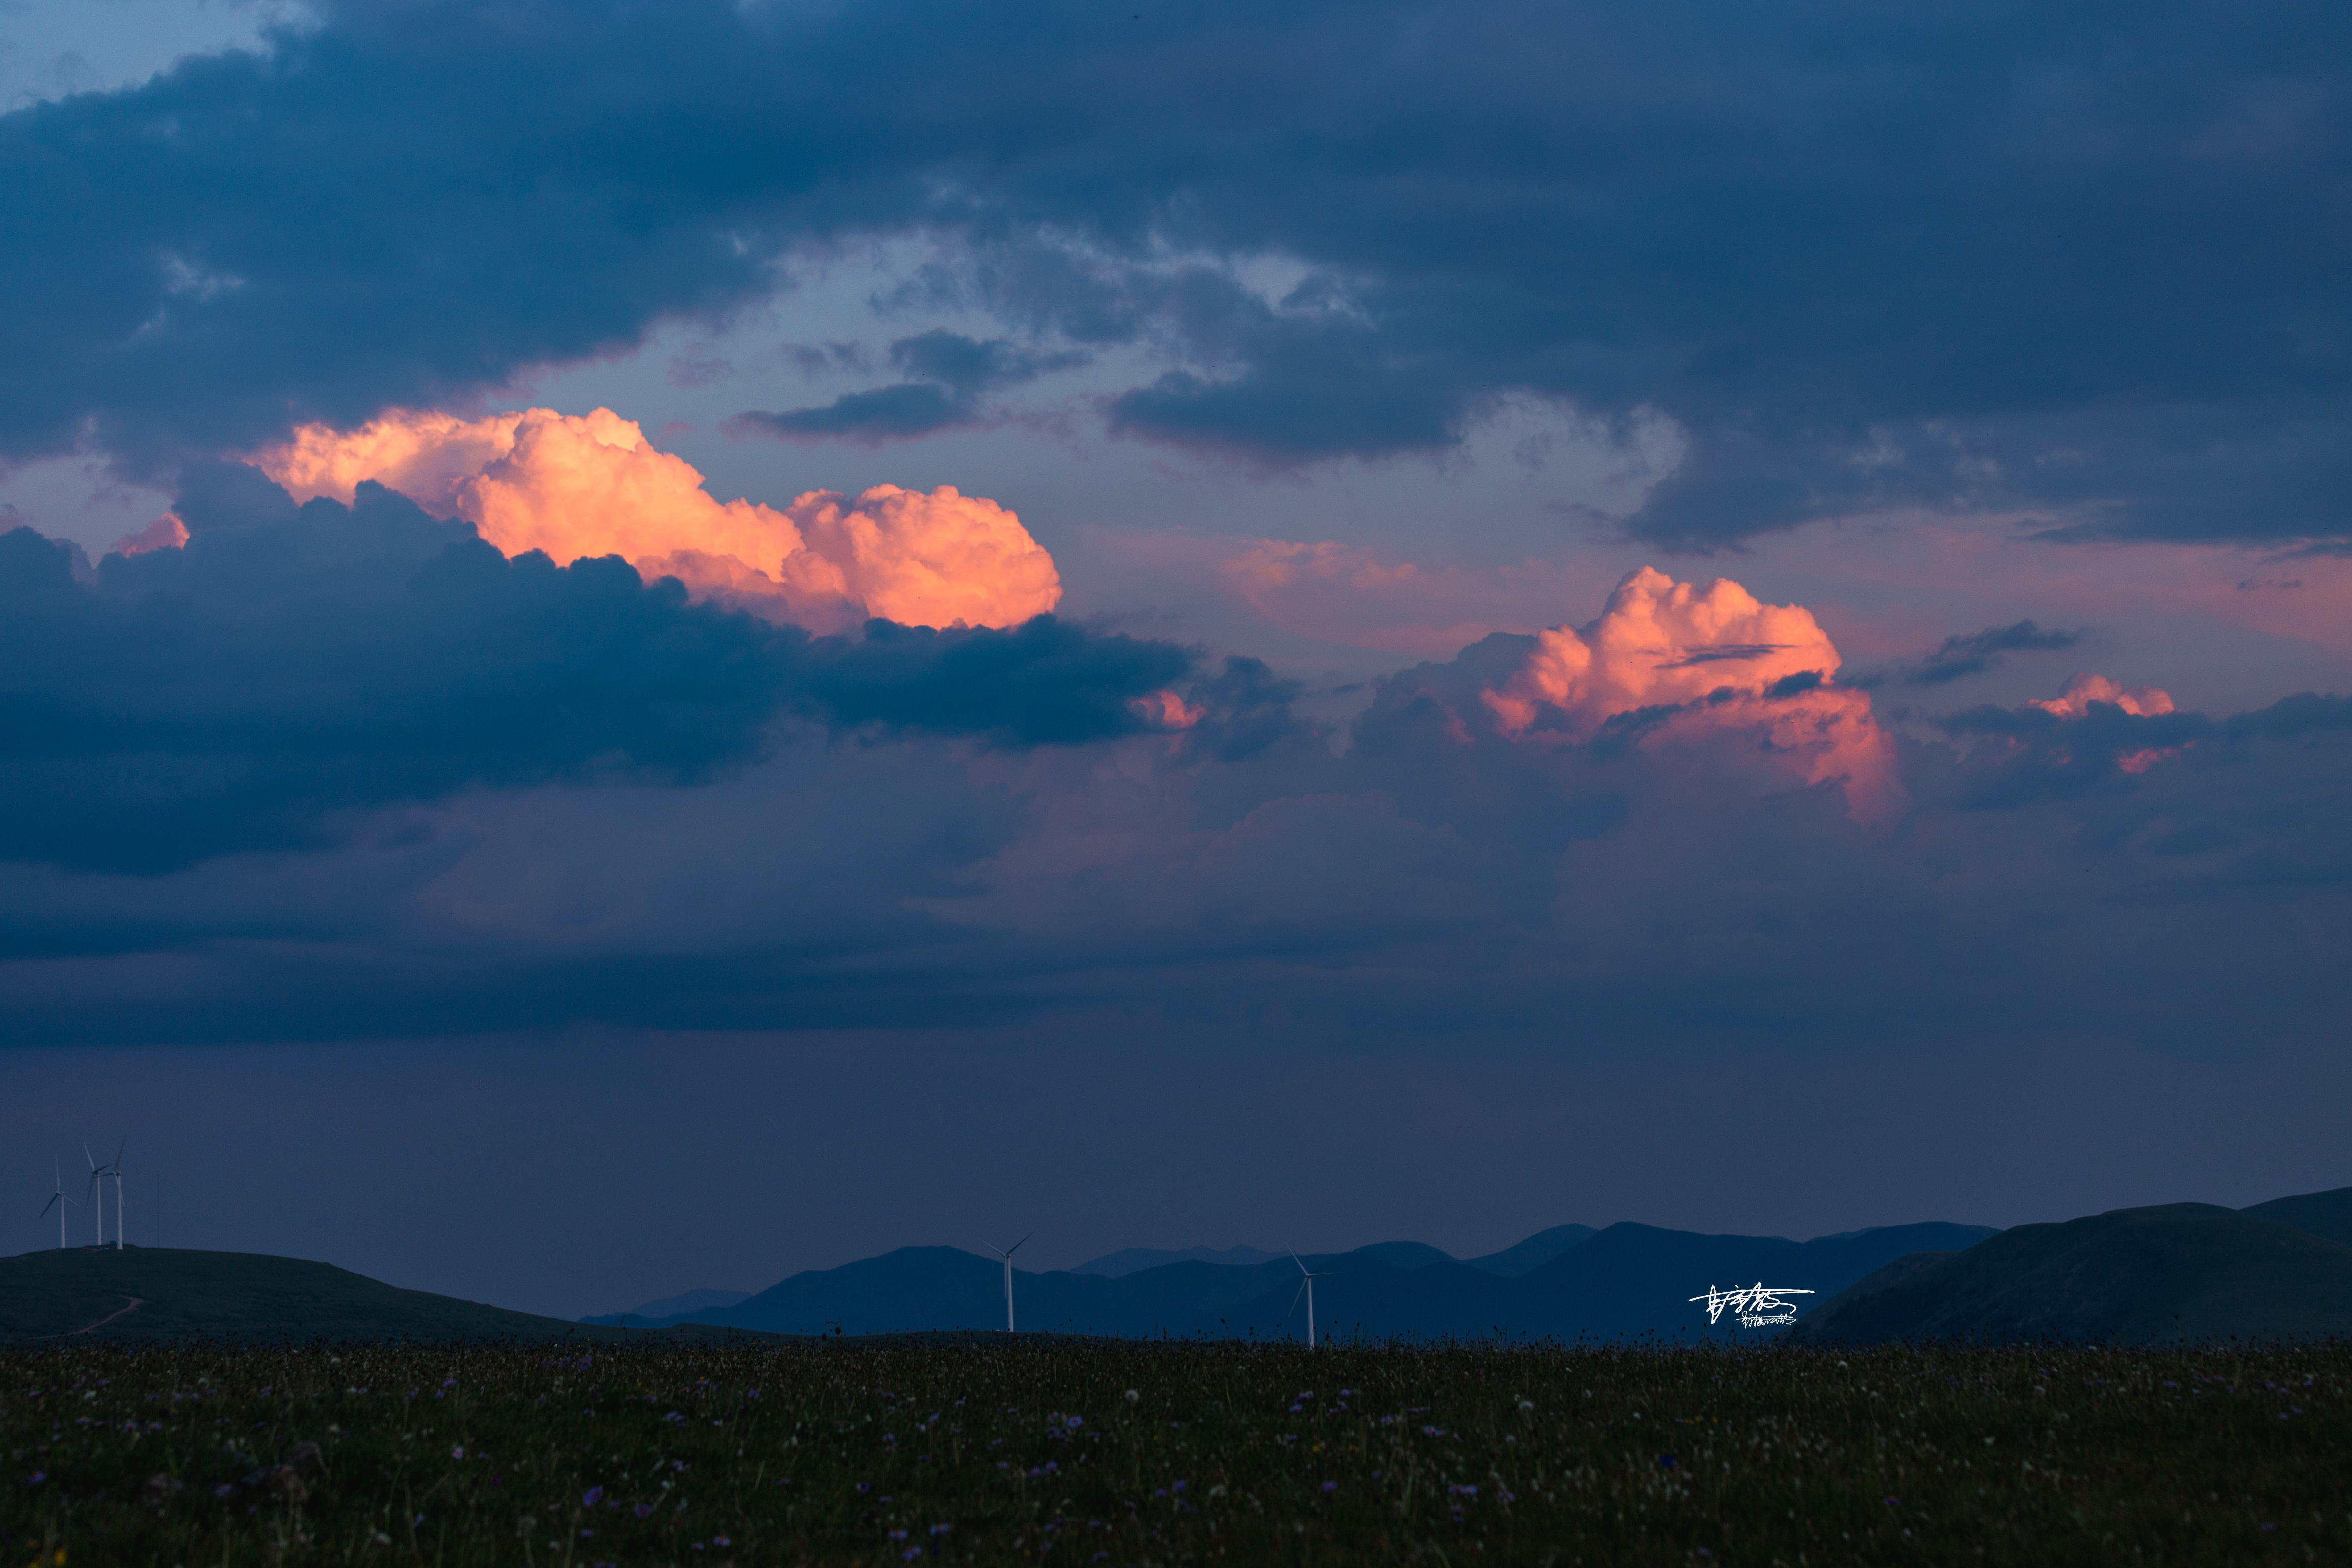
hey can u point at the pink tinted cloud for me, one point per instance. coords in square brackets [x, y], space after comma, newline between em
[1166, 710]
[2075, 698]
[1726, 662]
[167, 533]
[593, 486]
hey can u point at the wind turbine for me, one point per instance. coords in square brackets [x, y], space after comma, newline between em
[116, 1169]
[58, 1201]
[97, 1185]
[1307, 1286]
[1006, 1252]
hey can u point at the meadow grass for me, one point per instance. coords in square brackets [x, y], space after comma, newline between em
[1088, 1451]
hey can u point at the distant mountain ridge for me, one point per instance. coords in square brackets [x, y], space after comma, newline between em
[1133, 1259]
[687, 1301]
[1510, 1263]
[1625, 1281]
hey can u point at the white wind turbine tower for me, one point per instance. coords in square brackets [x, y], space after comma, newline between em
[116, 1169]
[1306, 1285]
[98, 1186]
[1006, 1252]
[58, 1201]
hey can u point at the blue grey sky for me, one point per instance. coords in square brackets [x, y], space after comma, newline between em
[1360, 848]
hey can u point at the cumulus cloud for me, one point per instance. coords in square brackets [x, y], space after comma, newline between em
[1676, 660]
[591, 486]
[2075, 698]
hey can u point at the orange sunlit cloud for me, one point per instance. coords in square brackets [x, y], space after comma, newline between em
[591, 486]
[1166, 710]
[167, 533]
[2075, 698]
[1714, 652]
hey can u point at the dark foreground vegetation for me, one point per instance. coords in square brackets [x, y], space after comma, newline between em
[1092, 1451]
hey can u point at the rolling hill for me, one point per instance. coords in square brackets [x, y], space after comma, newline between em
[87, 1294]
[2178, 1272]
[2328, 1216]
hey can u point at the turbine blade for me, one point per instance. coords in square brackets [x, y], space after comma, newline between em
[1018, 1245]
[1302, 1268]
[119, 1148]
[1293, 1300]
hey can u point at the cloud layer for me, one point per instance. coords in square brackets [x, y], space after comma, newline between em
[2084, 271]
[337, 768]
[584, 487]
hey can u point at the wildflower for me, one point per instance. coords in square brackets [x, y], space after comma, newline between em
[1667, 1461]
[941, 1529]
[720, 1540]
[1330, 1486]
[592, 1497]
[643, 1510]
[1133, 1396]
[459, 1451]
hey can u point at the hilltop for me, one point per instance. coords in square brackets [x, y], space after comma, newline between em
[2174, 1273]
[88, 1294]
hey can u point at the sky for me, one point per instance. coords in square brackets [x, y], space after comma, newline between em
[643, 648]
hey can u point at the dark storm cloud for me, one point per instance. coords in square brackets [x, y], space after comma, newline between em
[2084, 266]
[1966, 653]
[451, 793]
[290, 667]
[880, 413]
[955, 371]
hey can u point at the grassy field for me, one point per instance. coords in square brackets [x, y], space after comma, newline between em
[1096, 1452]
